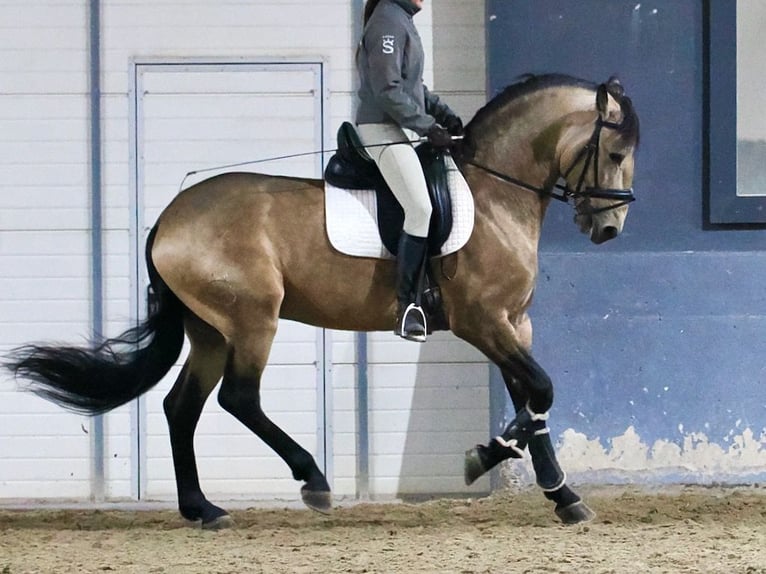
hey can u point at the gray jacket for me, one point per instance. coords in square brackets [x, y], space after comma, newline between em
[389, 61]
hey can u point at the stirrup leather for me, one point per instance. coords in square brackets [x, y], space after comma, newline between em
[412, 324]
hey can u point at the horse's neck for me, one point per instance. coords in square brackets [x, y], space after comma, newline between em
[520, 152]
[522, 144]
[511, 211]
[522, 140]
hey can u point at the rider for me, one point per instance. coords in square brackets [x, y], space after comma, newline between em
[394, 103]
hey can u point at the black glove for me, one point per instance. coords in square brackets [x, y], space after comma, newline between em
[439, 136]
[453, 124]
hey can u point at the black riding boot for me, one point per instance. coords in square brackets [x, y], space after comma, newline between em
[411, 323]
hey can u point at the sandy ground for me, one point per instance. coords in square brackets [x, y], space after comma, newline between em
[673, 530]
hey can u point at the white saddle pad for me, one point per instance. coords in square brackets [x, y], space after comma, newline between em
[352, 218]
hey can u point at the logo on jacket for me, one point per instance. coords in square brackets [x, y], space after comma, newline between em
[388, 44]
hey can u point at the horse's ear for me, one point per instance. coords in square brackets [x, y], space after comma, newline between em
[602, 101]
[615, 88]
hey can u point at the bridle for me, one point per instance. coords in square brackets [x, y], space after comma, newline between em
[563, 192]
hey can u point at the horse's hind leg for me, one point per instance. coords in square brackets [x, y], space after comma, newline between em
[183, 406]
[240, 395]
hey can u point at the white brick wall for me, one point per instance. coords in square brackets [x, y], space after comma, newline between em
[459, 54]
[426, 401]
[44, 235]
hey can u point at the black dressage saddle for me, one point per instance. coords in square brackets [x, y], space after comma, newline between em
[352, 168]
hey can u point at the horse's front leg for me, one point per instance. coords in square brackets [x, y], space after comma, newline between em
[531, 390]
[550, 477]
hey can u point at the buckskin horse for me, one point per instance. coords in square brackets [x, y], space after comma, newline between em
[227, 259]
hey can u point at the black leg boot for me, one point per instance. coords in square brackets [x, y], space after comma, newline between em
[411, 323]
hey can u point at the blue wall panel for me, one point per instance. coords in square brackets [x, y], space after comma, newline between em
[657, 339]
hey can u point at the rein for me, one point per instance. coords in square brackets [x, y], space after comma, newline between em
[288, 156]
[590, 152]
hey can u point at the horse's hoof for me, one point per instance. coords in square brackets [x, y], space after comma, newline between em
[473, 468]
[219, 523]
[575, 513]
[319, 500]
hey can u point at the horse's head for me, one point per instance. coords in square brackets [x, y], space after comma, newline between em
[596, 160]
[552, 127]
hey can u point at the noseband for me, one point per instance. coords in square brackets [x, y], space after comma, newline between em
[590, 153]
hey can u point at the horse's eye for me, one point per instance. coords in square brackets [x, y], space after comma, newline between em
[617, 157]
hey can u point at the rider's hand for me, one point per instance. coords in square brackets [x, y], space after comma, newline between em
[454, 125]
[439, 136]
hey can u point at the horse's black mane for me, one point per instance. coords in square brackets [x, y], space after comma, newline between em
[529, 83]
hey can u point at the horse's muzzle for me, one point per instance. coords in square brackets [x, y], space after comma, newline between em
[599, 235]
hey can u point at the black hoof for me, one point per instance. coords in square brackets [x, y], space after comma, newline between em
[319, 500]
[473, 467]
[207, 514]
[219, 523]
[575, 513]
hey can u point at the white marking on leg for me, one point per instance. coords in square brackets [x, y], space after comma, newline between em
[559, 485]
[511, 444]
[538, 416]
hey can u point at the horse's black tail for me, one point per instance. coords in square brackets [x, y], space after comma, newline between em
[111, 373]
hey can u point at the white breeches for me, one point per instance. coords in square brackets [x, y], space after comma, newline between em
[400, 167]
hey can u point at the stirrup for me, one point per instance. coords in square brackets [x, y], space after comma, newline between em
[412, 324]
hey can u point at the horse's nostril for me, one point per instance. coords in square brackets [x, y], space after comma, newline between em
[603, 234]
[609, 232]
